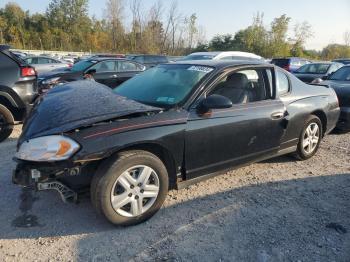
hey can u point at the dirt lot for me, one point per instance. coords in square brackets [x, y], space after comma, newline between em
[279, 210]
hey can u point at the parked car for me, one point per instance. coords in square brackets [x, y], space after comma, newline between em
[149, 60]
[290, 64]
[43, 64]
[18, 89]
[345, 61]
[309, 72]
[166, 128]
[108, 71]
[19, 54]
[228, 55]
[340, 82]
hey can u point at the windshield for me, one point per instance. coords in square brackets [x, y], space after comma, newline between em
[198, 57]
[343, 74]
[314, 69]
[82, 65]
[163, 86]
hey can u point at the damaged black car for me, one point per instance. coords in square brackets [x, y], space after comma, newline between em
[166, 128]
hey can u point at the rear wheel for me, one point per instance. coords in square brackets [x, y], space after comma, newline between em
[6, 123]
[130, 189]
[310, 138]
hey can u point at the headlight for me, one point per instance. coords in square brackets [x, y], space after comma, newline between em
[47, 148]
[50, 81]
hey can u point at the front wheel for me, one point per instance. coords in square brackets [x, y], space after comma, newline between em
[130, 189]
[310, 138]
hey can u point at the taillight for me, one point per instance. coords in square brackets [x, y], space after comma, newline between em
[27, 71]
[70, 65]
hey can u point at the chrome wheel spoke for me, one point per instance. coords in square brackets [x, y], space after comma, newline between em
[145, 174]
[136, 207]
[126, 180]
[306, 143]
[119, 201]
[151, 191]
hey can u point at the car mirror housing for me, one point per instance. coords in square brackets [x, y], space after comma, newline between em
[325, 77]
[214, 102]
[91, 72]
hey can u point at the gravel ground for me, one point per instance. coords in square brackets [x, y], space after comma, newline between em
[278, 210]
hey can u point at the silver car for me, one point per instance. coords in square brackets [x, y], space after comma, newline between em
[44, 64]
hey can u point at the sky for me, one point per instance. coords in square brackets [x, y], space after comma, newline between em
[329, 19]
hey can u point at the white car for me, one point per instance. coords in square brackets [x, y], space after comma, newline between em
[43, 64]
[227, 55]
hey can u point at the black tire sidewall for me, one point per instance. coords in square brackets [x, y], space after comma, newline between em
[301, 152]
[8, 117]
[106, 182]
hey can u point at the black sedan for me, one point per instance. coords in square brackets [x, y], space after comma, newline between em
[166, 128]
[310, 72]
[108, 71]
[340, 82]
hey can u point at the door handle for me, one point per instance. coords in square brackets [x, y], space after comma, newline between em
[278, 115]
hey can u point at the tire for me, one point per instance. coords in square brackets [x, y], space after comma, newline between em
[6, 118]
[109, 183]
[305, 152]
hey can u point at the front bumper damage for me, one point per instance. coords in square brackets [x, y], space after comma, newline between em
[68, 179]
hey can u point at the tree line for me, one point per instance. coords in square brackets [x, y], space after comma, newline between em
[128, 27]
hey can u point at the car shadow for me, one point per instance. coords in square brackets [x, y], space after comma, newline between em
[276, 220]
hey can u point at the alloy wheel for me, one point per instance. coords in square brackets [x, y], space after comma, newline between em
[135, 191]
[311, 138]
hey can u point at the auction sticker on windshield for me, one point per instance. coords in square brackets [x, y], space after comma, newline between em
[203, 69]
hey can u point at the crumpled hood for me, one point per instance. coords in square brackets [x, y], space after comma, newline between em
[77, 104]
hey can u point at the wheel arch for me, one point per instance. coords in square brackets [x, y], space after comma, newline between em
[161, 152]
[323, 117]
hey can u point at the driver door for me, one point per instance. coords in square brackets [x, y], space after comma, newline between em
[249, 130]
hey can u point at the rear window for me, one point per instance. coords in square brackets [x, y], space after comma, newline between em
[280, 62]
[9, 70]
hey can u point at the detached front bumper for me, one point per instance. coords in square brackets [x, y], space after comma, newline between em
[68, 179]
[344, 119]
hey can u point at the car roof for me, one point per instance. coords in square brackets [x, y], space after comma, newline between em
[100, 58]
[220, 63]
[219, 54]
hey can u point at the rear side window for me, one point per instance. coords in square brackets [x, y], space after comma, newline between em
[282, 83]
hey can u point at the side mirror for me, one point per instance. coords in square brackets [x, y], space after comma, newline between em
[326, 77]
[214, 102]
[90, 72]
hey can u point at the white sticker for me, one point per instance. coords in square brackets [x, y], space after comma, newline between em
[203, 69]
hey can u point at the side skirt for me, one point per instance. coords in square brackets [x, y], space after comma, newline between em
[187, 183]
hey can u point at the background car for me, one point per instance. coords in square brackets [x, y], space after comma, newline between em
[309, 72]
[108, 71]
[345, 61]
[149, 60]
[43, 64]
[227, 55]
[168, 127]
[18, 89]
[340, 82]
[290, 64]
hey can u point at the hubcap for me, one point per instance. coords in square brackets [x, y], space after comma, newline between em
[311, 138]
[135, 191]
